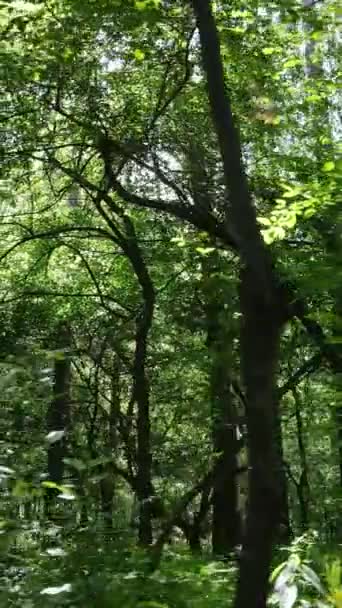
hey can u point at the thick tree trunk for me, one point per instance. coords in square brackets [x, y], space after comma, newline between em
[259, 348]
[264, 312]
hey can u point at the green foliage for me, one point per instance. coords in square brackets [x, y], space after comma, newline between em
[83, 82]
[296, 583]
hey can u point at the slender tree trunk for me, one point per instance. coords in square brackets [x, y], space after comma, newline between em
[107, 484]
[303, 485]
[58, 415]
[285, 532]
[226, 518]
[226, 524]
[141, 390]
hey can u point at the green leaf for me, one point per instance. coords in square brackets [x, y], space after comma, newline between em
[51, 484]
[139, 55]
[67, 53]
[290, 220]
[292, 192]
[328, 166]
[313, 98]
[273, 234]
[292, 63]
[276, 571]
[268, 50]
[205, 250]
[142, 5]
[264, 221]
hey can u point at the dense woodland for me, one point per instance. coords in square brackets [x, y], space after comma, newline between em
[170, 304]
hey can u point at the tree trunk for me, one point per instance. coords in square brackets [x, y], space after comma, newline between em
[264, 311]
[226, 518]
[226, 525]
[285, 532]
[58, 415]
[226, 521]
[107, 484]
[259, 345]
[141, 392]
[303, 485]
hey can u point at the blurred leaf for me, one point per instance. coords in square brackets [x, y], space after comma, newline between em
[328, 166]
[54, 436]
[139, 55]
[66, 588]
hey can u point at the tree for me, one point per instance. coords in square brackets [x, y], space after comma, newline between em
[133, 212]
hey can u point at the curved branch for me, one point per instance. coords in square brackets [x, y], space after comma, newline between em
[56, 232]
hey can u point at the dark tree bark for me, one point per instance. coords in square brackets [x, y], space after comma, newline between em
[107, 484]
[260, 336]
[303, 488]
[226, 525]
[264, 312]
[199, 519]
[285, 532]
[58, 415]
[141, 392]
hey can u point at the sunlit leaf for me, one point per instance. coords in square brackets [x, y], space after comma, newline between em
[56, 552]
[139, 55]
[142, 5]
[268, 50]
[328, 166]
[293, 62]
[66, 588]
[54, 436]
[66, 496]
[205, 250]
